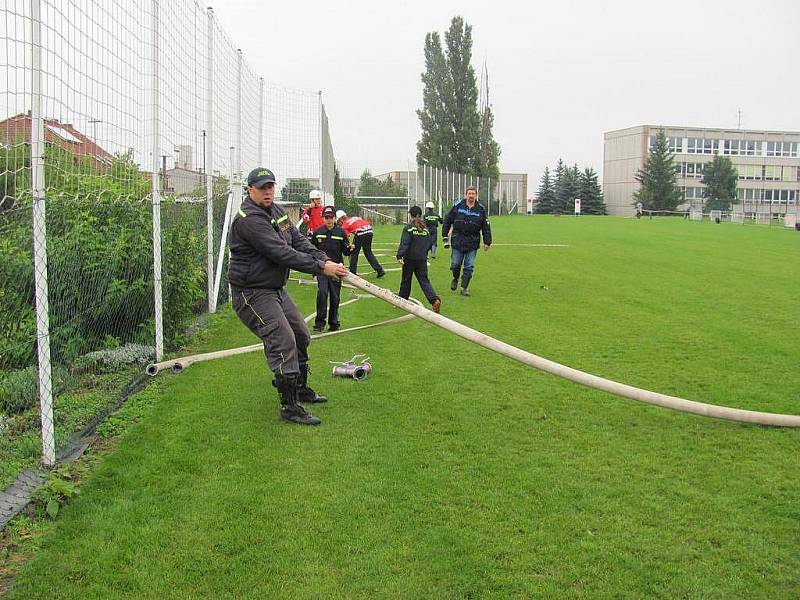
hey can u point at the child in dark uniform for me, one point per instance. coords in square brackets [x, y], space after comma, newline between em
[331, 239]
[412, 253]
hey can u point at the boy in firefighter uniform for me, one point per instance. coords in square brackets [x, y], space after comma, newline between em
[432, 222]
[360, 233]
[331, 239]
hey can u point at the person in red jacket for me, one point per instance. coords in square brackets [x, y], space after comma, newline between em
[312, 214]
[360, 233]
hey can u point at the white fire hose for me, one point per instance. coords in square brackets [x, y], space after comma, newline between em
[606, 385]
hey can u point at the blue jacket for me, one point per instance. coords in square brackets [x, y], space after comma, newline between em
[468, 224]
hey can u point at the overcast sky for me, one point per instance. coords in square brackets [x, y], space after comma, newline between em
[560, 73]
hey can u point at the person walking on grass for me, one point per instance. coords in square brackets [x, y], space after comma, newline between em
[359, 231]
[432, 222]
[415, 241]
[466, 222]
[331, 239]
[264, 245]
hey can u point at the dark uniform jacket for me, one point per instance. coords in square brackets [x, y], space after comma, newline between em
[264, 245]
[414, 243]
[432, 221]
[332, 242]
[468, 224]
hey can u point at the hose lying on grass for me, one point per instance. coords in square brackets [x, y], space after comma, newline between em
[606, 385]
[179, 364]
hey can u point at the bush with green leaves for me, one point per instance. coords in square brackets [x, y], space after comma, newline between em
[19, 390]
[53, 494]
[100, 274]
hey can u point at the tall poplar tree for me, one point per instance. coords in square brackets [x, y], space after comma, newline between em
[455, 136]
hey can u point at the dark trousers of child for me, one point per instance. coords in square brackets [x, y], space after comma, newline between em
[328, 289]
[419, 268]
[364, 241]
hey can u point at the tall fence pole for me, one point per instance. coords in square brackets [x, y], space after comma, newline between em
[209, 168]
[321, 145]
[260, 121]
[156, 196]
[40, 241]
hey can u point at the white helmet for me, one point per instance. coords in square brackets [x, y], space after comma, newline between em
[314, 194]
[429, 204]
[339, 214]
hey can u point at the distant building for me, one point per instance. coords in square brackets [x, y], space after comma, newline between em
[182, 182]
[767, 163]
[17, 129]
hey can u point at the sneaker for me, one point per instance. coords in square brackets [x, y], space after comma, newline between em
[334, 328]
[436, 305]
[296, 413]
[454, 284]
[318, 328]
[381, 274]
[465, 292]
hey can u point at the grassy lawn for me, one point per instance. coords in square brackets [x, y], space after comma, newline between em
[453, 472]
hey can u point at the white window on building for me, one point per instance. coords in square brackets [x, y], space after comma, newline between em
[788, 149]
[772, 172]
[702, 146]
[752, 172]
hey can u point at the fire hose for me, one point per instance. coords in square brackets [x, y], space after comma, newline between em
[587, 379]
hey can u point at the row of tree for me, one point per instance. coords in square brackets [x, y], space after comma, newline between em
[559, 189]
[658, 180]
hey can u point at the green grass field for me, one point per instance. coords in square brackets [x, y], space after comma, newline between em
[453, 472]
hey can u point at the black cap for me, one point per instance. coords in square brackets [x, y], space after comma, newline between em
[260, 176]
[329, 211]
[415, 211]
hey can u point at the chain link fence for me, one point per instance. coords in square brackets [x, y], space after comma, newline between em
[126, 130]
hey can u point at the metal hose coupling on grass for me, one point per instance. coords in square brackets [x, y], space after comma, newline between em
[350, 369]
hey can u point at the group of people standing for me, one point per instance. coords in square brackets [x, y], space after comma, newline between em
[265, 245]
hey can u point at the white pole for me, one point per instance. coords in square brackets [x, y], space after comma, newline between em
[209, 168]
[238, 172]
[40, 242]
[225, 225]
[260, 121]
[321, 141]
[156, 194]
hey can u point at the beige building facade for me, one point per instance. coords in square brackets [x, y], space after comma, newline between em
[767, 163]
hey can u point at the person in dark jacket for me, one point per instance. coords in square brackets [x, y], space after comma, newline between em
[468, 221]
[415, 241]
[432, 221]
[331, 239]
[264, 245]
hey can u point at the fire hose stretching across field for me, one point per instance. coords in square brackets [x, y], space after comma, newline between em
[543, 364]
[606, 385]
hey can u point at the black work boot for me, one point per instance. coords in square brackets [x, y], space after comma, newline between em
[291, 409]
[305, 393]
[465, 283]
[454, 283]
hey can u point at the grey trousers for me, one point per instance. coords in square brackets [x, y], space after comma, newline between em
[273, 317]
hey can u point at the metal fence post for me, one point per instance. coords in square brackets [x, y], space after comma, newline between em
[260, 121]
[156, 196]
[321, 142]
[40, 241]
[209, 167]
